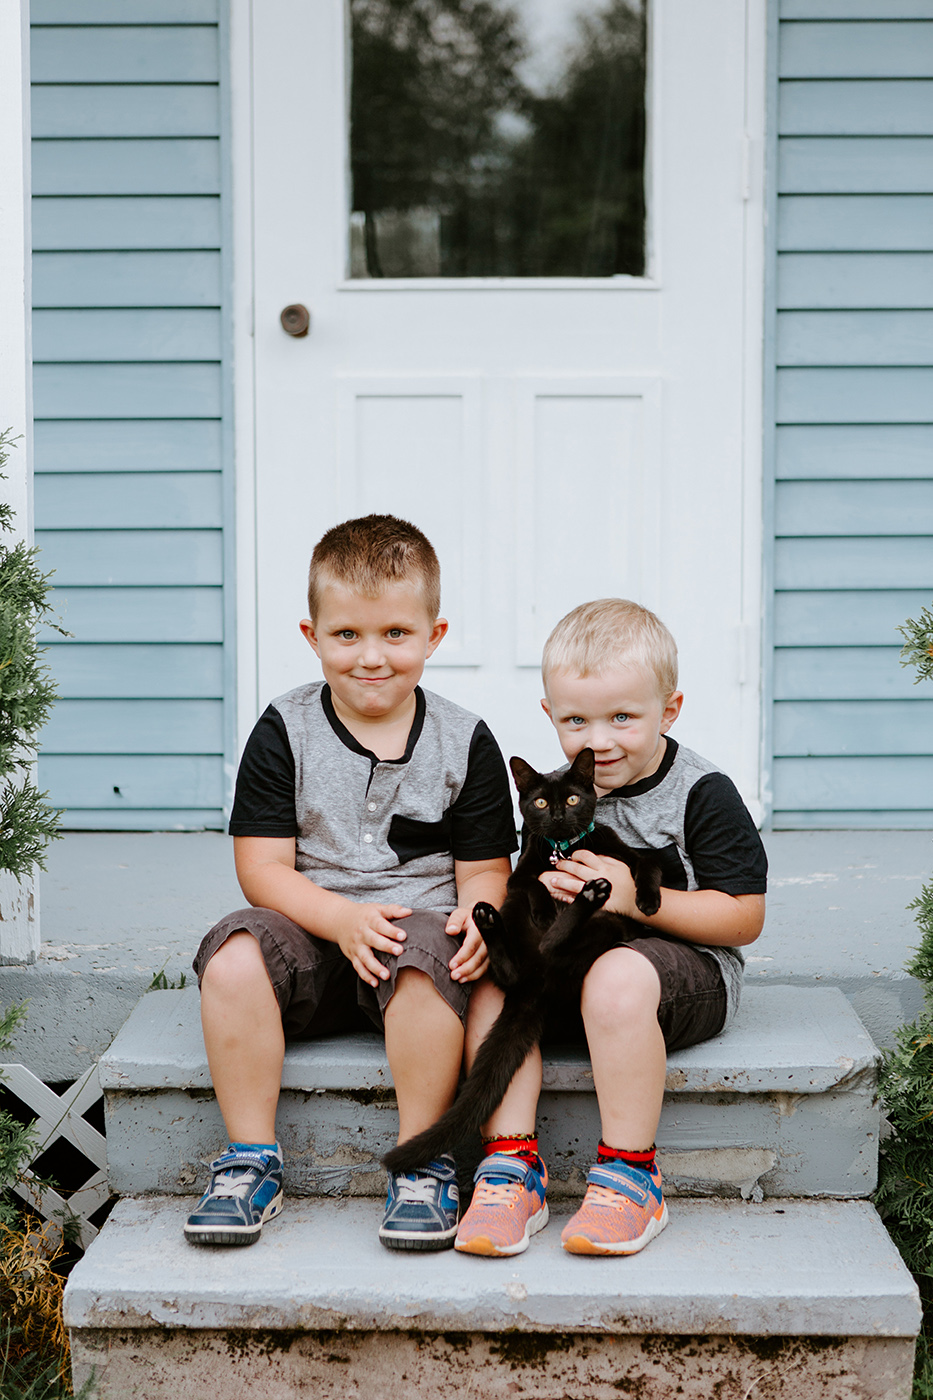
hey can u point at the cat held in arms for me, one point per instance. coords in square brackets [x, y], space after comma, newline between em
[538, 949]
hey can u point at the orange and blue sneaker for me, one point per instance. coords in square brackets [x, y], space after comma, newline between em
[507, 1208]
[622, 1211]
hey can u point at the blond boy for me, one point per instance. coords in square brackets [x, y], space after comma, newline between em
[610, 682]
[370, 816]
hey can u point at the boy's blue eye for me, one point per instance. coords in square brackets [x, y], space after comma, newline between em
[623, 718]
[576, 719]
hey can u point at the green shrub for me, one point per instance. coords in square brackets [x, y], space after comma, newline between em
[27, 822]
[905, 1171]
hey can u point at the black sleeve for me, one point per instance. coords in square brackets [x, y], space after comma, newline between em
[721, 839]
[264, 804]
[482, 822]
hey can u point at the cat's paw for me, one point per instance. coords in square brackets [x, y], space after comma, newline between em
[485, 917]
[648, 901]
[596, 892]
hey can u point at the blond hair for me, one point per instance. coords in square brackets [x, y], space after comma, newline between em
[610, 632]
[367, 554]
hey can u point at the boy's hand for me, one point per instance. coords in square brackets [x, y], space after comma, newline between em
[568, 877]
[471, 960]
[363, 927]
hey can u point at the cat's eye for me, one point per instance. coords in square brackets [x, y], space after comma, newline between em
[541, 802]
[572, 800]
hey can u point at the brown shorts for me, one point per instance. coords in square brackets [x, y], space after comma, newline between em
[316, 987]
[693, 995]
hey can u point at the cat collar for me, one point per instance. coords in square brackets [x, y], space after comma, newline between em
[561, 849]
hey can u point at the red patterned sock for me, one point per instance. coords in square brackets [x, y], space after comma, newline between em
[645, 1160]
[524, 1145]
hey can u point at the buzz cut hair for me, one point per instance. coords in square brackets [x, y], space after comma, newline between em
[368, 554]
[610, 632]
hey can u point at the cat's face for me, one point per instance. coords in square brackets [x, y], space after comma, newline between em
[558, 805]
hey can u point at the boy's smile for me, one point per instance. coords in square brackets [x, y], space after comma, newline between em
[619, 715]
[373, 650]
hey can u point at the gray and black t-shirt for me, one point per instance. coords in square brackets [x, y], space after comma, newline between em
[692, 817]
[388, 831]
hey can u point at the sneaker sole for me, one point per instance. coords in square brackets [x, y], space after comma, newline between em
[420, 1242]
[579, 1244]
[235, 1234]
[483, 1245]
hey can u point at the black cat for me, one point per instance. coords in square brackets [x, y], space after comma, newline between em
[538, 949]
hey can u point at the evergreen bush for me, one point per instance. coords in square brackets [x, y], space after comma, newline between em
[27, 822]
[905, 1179]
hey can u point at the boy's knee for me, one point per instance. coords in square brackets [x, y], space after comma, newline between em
[620, 984]
[238, 961]
[412, 983]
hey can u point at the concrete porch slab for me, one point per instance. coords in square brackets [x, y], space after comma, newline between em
[116, 907]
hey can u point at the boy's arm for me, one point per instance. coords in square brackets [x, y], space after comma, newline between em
[265, 867]
[697, 916]
[476, 880]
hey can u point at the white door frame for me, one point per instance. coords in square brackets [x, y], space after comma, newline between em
[749, 184]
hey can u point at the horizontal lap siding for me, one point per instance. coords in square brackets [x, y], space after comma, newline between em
[130, 385]
[853, 736]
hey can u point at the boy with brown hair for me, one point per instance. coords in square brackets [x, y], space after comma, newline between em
[610, 682]
[370, 816]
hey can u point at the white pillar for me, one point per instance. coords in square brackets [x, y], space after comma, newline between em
[19, 924]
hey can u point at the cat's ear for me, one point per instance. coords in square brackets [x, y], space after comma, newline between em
[584, 766]
[523, 773]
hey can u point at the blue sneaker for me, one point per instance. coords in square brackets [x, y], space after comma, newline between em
[422, 1207]
[245, 1192]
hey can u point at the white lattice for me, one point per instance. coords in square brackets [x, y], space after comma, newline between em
[60, 1116]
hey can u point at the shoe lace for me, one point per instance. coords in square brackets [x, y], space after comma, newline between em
[239, 1177]
[601, 1196]
[238, 1181]
[496, 1193]
[420, 1189]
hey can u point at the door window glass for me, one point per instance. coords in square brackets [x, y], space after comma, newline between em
[497, 138]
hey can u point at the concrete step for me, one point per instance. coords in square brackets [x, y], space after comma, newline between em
[792, 1299]
[781, 1105]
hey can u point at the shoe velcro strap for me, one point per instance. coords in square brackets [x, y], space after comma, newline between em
[621, 1178]
[259, 1160]
[435, 1169]
[511, 1168]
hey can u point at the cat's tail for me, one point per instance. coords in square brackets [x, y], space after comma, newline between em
[513, 1036]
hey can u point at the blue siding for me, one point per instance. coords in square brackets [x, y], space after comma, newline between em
[861, 49]
[126, 279]
[99, 110]
[125, 167]
[124, 222]
[853, 394]
[146, 52]
[862, 222]
[873, 108]
[129, 338]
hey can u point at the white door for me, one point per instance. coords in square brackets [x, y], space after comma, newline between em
[559, 437]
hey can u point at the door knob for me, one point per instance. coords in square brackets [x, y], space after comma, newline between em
[296, 320]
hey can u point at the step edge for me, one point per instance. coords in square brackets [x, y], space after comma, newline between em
[891, 1309]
